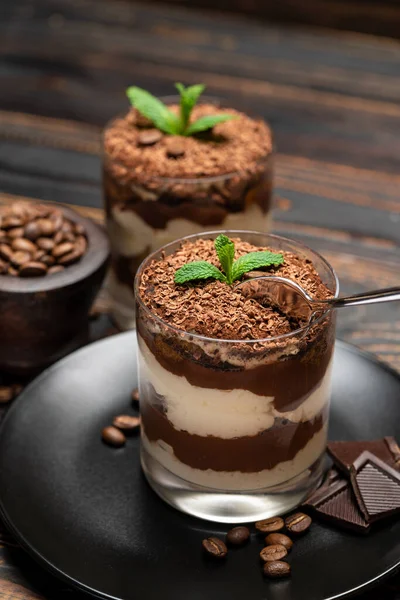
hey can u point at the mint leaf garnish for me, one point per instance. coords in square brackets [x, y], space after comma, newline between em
[226, 252]
[255, 260]
[207, 122]
[200, 269]
[152, 108]
[167, 121]
[189, 97]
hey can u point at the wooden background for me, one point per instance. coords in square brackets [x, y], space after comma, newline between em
[333, 100]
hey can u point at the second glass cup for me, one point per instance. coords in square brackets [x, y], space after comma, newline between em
[235, 430]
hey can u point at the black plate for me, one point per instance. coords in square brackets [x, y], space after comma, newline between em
[84, 510]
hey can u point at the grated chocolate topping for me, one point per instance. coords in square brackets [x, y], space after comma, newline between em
[236, 145]
[215, 309]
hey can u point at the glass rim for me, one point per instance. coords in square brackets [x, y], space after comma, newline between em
[199, 337]
[201, 178]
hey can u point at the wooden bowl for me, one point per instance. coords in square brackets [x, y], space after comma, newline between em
[43, 319]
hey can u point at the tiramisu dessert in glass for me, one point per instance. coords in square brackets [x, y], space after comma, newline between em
[162, 184]
[234, 394]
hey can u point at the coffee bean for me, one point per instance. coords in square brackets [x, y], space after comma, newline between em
[215, 547]
[81, 243]
[298, 523]
[16, 232]
[57, 218]
[3, 236]
[32, 231]
[5, 252]
[46, 226]
[127, 423]
[55, 269]
[58, 238]
[6, 394]
[67, 226]
[149, 137]
[70, 258]
[3, 267]
[39, 254]
[79, 229]
[24, 245]
[237, 536]
[62, 249]
[46, 244]
[11, 271]
[270, 525]
[20, 258]
[272, 553]
[113, 437]
[10, 221]
[33, 269]
[276, 569]
[135, 395]
[279, 538]
[175, 148]
[48, 260]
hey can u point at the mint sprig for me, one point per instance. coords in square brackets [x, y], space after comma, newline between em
[165, 120]
[233, 269]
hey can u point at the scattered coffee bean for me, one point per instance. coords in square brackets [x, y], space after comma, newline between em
[5, 252]
[113, 437]
[6, 393]
[298, 523]
[142, 121]
[279, 538]
[175, 148]
[135, 395]
[81, 243]
[55, 269]
[33, 269]
[276, 569]
[237, 536]
[39, 254]
[20, 258]
[215, 547]
[149, 137]
[46, 244]
[24, 245]
[32, 231]
[270, 525]
[272, 553]
[79, 229]
[62, 249]
[17, 232]
[11, 271]
[127, 423]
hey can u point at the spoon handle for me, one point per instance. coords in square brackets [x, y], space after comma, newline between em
[385, 295]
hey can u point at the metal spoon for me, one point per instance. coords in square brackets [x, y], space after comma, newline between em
[292, 300]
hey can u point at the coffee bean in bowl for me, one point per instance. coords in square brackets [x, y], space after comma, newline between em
[52, 264]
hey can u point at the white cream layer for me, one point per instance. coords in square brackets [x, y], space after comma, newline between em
[131, 236]
[222, 413]
[235, 480]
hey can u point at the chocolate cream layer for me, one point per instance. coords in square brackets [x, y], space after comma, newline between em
[289, 379]
[246, 454]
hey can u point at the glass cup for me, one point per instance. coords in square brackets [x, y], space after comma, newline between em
[235, 430]
[144, 215]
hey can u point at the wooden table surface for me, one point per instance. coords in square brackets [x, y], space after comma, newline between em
[332, 98]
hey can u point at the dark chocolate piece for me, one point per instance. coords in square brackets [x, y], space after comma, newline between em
[344, 454]
[376, 487]
[334, 502]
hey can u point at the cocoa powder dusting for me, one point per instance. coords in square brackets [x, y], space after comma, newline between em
[215, 309]
[236, 145]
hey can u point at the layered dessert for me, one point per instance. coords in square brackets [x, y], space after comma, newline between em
[159, 187]
[234, 393]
